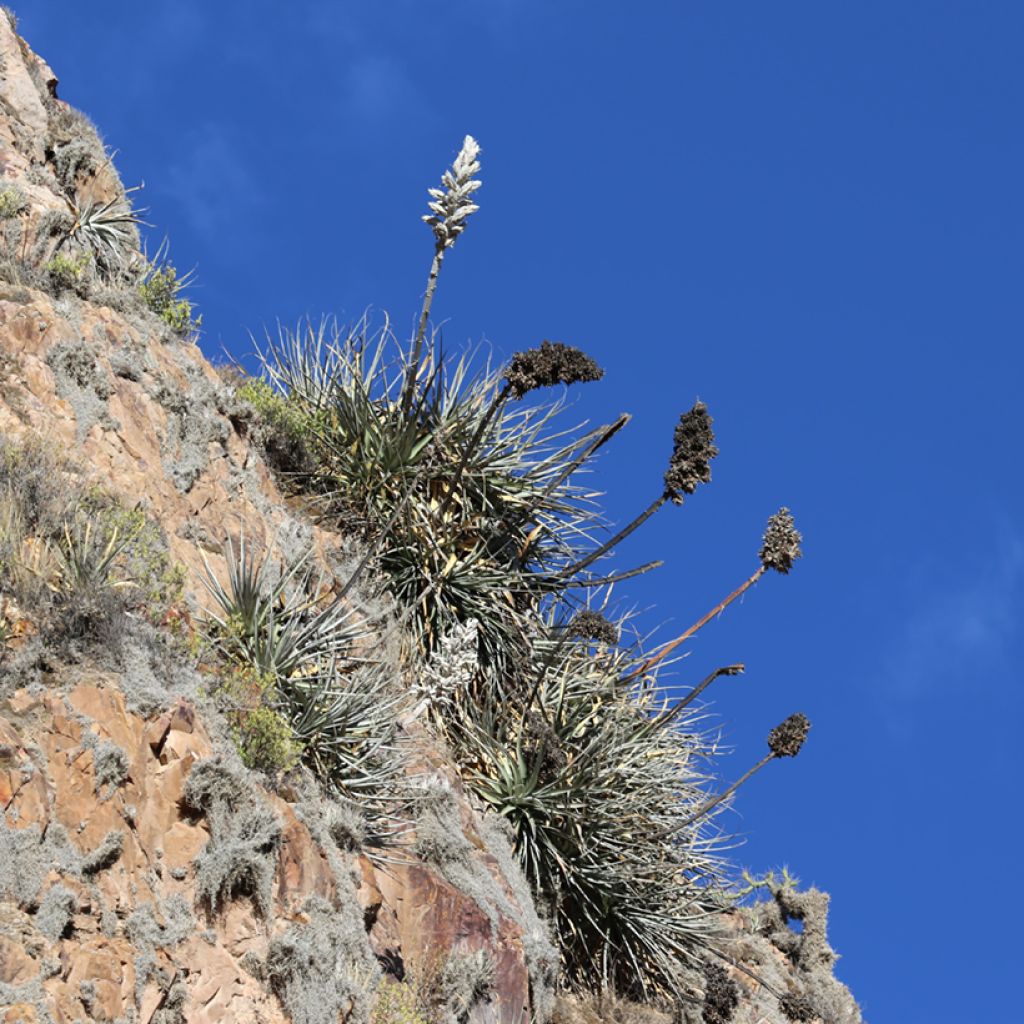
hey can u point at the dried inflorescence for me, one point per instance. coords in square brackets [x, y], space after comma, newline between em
[588, 625]
[452, 204]
[550, 364]
[781, 542]
[797, 1008]
[785, 740]
[692, 452]
[721, 995]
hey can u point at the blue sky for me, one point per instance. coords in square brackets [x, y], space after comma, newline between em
[808, 215]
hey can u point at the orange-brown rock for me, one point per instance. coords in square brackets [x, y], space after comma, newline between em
[409, 910]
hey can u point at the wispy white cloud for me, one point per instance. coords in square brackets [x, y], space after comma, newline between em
[213, 183]
[963, 634]
[180, 23]
[379, 88]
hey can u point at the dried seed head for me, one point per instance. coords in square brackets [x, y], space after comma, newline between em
[797, 1008]
[692, 452]
[453, 203]
[785, 740]
[589, 625]
[542, 739]
[721, 995]
[781, 542]
[552, 363]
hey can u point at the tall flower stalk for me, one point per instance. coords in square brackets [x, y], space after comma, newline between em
[450, 207]
[779, 548]
[690, 464]
[785, 740]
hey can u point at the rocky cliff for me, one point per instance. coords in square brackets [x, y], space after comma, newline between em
[146, 872]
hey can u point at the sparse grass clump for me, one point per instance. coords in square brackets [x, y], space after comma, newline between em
[241, 856]
[324, 968]
[73, 557]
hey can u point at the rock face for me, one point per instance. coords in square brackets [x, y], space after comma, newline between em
[106, 876]
[145, 875]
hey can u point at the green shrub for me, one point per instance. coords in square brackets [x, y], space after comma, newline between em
[68, 273]
[398, 1002]
[283, 431]
[341, 712]
[263, 736]
[161, 291]
[12, 201]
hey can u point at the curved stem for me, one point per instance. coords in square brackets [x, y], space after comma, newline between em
[667, 716]
[714, 801]
[617, 539]
[618, 577]
[698, 625]
[605, 436]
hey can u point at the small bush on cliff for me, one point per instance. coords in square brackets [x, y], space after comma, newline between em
[69, 273]
[281, 429]
[264, 738]
[161, 289]
[13, 201]
[398, 1002]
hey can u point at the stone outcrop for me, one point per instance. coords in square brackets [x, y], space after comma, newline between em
[102, 876]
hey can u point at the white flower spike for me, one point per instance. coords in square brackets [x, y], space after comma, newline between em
[452, 204]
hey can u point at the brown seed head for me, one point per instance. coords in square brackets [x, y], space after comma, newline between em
[590, 625]
[721, 995]
[552, 363]
[781, 542]
[797, 1008]
[785, 740]
[692, 452]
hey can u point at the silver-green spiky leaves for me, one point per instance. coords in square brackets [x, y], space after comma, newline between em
[453, 203]
[781, 542]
